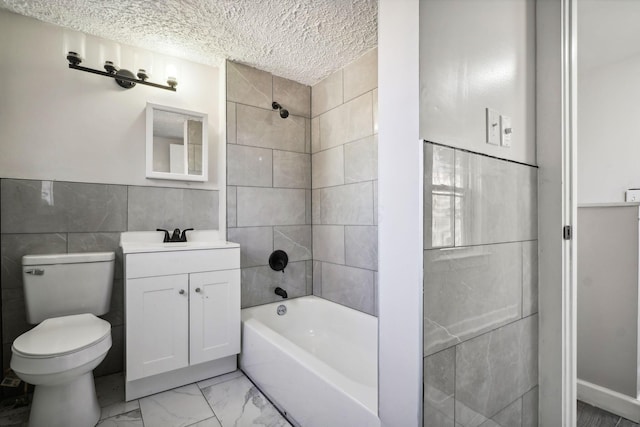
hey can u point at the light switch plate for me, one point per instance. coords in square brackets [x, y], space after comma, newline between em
[493, 127]
[506, 131]
[632, 195]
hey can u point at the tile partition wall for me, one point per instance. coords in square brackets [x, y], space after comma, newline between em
[42, 217]
[480, 290]
[344, 184]
[269, 181]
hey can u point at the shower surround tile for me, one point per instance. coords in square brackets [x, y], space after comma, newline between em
[249, 166]
[256, 244]
[157, 207]
[57, 207]
[269, 177]
[361, 246]
[293, 96]
[231, 123]
[496, 200]
[348, 122]
[249, 86]
[439, 196]
[494, 368]
[346, 204]
[510, 416]
[328, 168]
[232, 208]
[259, 283]
[361, 75]
[348, 286]
[239, 403]
[484, 282]
[530, 408]
[529, 278]
[327, 94]
[361, 160]
[270, 206]
[265, 128]
[291, 170]
[439, 388]
[375, 110]
[295, 240]
[328, 243]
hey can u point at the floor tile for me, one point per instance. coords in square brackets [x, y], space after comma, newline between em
[239, 403]
[176, 408]
[110, 391]
[118, 408]
[627, 423]
[220, 379]
[130, 419]
[209, 422]
[15, 417]
[590, 416]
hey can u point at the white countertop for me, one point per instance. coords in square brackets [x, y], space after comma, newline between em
[151, 241]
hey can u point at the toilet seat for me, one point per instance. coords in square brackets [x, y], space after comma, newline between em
[60, 336]
[61, 344]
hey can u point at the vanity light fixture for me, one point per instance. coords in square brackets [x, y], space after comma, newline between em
[124, 78]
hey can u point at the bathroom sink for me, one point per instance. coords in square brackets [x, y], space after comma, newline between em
[151, 241]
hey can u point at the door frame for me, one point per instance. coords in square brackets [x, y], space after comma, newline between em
[556, 144]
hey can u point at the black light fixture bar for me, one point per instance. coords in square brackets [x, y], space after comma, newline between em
[74, 62]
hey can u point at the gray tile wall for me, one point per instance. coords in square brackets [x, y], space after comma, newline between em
[480, 290]
[269, 181]
[344, 145]
[41, 217]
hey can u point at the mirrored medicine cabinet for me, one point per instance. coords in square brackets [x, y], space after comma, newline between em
[177, 144]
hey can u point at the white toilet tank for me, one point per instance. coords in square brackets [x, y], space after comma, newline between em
[63, 284]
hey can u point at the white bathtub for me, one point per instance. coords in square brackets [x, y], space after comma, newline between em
[318, 363]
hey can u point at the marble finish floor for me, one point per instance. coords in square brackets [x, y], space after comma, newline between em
[224, 401]
[590, 416]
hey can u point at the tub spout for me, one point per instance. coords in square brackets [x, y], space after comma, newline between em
[281, 292]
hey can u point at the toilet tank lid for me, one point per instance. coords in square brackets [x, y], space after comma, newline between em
[68, 258]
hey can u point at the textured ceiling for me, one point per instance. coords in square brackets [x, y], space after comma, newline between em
[303, 40]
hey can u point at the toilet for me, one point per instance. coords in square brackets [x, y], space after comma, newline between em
[63, 295]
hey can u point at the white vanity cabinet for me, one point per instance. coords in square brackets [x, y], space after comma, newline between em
[182, 311]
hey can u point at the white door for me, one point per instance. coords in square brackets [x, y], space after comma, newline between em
[215, 315]
[157, 322]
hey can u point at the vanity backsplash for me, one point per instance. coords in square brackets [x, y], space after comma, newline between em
[39, 217]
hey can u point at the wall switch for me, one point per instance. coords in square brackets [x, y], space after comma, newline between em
[493, 127]
[632, 195]
[505, 131]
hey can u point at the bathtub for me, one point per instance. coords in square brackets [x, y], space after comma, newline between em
[318, 363]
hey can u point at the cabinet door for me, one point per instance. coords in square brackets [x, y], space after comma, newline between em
[215, 315]
[157, 323]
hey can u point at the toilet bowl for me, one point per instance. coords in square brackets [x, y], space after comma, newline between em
[63, 294]
[58, 357]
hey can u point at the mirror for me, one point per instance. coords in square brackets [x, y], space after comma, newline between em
[177, 145]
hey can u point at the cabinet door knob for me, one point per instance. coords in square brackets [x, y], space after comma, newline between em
[197, 289]
[181, 292]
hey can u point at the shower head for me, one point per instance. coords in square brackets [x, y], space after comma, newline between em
[283, 113]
